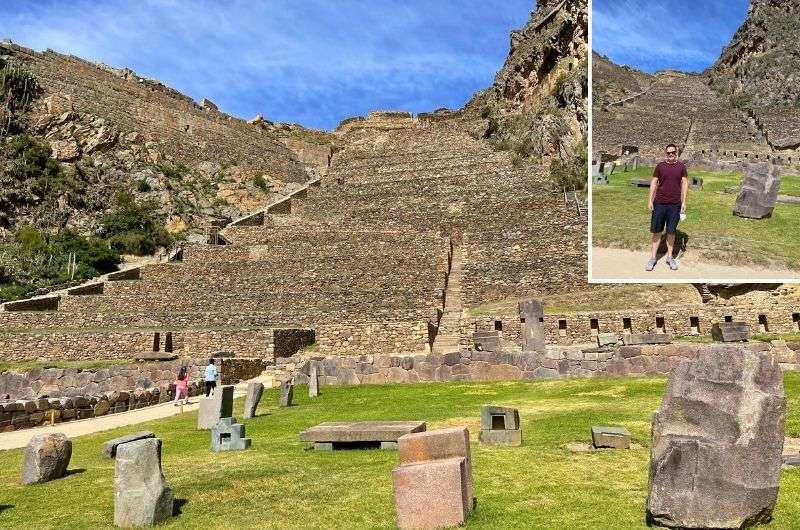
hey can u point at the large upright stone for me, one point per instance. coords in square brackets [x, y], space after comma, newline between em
[431, 494]
[213, 408]
[313, 379]
[254, 392]
[759, 191]
[111, 446]
[531, 317]
[287, 392]
[46, 457]
[142, 496]
[717, 441]
[438, 445]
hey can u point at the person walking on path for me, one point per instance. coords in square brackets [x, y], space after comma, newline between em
[210, 377]
[182, 386]
[667, 202]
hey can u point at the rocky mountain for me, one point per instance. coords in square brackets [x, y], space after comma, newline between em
[761, 66]
[537, 105]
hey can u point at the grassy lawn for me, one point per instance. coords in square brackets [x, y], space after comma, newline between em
[281, 484]
[25, 366]
[621, 219]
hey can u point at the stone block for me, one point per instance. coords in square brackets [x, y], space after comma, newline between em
[360, 431]
[313, 380]
[110, 447]
[507, 437]
[220, 405]
[647, 338]
[436, 445]
[287, 392]
[431, 494]
[730, 331]
[227, 435]
[46, 457]
[759, 191]
[503, 418]
[142, 496]
[717, 440]
[254, 392]
[607, 339]
[487, 340]
[531, 315]
[613, 437]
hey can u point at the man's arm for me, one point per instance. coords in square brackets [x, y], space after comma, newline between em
[653, 188]
[684, 190]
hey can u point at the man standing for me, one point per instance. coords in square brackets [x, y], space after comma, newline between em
[667, 201]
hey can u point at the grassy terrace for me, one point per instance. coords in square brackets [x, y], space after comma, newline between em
[281, 484]
[621, 219]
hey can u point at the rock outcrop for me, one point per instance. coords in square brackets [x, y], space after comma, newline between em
[717, 441]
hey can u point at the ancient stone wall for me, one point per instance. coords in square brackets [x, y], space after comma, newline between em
[469, 365]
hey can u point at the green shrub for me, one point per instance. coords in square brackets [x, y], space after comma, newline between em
[142, 186]
[135, 227]
[260, 182]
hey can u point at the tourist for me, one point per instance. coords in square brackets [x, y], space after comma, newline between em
[210, 377]
[667, 202]
[182, 386]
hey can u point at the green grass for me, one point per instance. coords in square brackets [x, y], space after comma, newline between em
[279, 483]
[621, 219]
[24, 366]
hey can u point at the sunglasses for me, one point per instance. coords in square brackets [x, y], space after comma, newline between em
[672, 152]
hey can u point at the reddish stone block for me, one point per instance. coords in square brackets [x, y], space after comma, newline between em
[437, 445]
[431, 494]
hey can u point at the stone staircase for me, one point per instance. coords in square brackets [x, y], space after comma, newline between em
[448, 337]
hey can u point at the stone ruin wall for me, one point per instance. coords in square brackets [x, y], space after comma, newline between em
[583, 327]
[469, 365]
[43, 395]
[183, 130]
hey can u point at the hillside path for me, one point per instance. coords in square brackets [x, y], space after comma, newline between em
[17, 439]
[622, 265]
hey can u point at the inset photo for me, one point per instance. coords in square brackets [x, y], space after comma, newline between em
[695, 142]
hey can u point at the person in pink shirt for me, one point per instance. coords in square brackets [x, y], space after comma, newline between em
[182, 386]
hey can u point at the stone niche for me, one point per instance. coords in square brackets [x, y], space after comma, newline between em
[500, 426]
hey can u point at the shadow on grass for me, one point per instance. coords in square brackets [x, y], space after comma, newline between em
[177, 506]
[77, 471]
[4, 507]
[681, 244]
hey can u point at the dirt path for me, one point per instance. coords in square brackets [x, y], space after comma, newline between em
[621, 265]
[17, 439]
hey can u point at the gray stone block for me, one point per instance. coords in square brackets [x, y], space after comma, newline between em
[142, 496]
[313, 380]
[110, 447]
[213, 408]
[46, 457]
[287, 392]
[227, 435]
[730, 331]
[607, 339]
[497, 437]
[360, 431]
[251, 401]
[499, 418]
[612, 437]
[756, 199]
[647, 338]
[487, 341]
[531, 316]
[717, 439]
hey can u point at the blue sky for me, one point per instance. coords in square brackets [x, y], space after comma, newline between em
[313, 62]
[686, 35]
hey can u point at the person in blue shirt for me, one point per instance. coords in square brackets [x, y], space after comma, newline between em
[210, 377]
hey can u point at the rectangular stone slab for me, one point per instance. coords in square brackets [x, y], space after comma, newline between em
[110, 447]
[360, 431]
[647, 338]
[730, 331]
[614, 437]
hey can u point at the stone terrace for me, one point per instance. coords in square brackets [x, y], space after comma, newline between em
[364, 259]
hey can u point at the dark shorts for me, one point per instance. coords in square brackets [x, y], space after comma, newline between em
[665, 215]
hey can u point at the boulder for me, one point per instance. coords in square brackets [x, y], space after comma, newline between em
[46, 457]
[717, 441]
[759, 191]
[287, 392]
[142, 496]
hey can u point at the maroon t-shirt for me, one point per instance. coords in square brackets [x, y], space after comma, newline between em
[669, 182]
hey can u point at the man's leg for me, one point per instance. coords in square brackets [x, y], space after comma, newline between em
[670, 245]
[656, 244]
